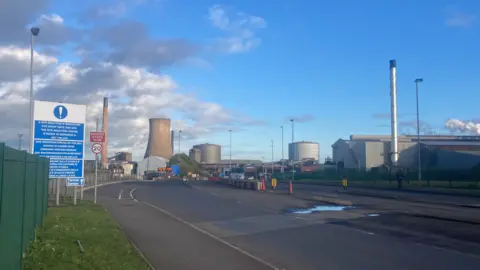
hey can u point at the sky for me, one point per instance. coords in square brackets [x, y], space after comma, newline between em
[246, 66]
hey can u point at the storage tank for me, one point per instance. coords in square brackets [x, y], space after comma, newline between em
[209, 153]
[159, 139]
[302, 150]
[195, 154]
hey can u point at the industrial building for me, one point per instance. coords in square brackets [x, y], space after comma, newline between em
[195, 154]
[303, 150]
[446, 152]
[209, 153]
[159, 139]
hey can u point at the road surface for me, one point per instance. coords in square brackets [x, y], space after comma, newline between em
[209, 226]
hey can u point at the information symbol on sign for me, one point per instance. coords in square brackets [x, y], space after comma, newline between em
[60, 112]
[96, 148]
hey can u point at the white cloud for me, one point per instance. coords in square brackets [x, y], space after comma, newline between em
[240, 29]
[135, 95]
[457, 18]
[15, 63]
[468, 127]
[124, 68]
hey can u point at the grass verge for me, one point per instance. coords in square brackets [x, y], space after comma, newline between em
[105, 245]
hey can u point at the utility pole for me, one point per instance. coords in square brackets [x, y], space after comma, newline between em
[20, 141]
[419, 157]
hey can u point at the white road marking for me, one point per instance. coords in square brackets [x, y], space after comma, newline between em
[213, 236]
[214, 194]
[131, 195]
[120, 194]
[365, 232]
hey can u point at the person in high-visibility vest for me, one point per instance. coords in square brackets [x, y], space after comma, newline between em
[344, 182]
[274, 183]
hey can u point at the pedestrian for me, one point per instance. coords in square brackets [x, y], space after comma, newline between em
[274, 183]
[344, 182]
[399, 174]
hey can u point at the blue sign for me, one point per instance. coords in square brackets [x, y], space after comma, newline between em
[60, 112]
[75, 181]
[175, 170]
[59, 134]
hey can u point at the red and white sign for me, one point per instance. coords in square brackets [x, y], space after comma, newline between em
[97, 136]
[97, 148]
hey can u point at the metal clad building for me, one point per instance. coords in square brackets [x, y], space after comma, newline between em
[195, 154]
[209, 153]
[368, 151]
[302, 150]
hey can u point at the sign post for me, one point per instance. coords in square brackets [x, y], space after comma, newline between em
[59, 134]
[97, 138]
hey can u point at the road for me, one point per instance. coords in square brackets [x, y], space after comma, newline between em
[210, 226]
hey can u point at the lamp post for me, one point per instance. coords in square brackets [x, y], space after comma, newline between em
[290, 189]
[179, 139]
[283, 172]
[20, 141]
[419, 157]
[230, 135]
[272, 160]
[34, 31]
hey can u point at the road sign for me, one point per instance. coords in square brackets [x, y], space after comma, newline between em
[75, 182]
[59, 134]
[97, 136]
[96, 148]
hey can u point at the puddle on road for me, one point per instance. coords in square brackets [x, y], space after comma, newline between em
[319, 208]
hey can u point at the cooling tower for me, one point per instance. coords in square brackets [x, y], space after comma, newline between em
[159, 139]
[105, 129]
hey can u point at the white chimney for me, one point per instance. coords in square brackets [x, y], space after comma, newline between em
[393, 101]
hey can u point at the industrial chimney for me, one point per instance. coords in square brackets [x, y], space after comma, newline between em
[393, 101]
[105, 129]
[159, 138]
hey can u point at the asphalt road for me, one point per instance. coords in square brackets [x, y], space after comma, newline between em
[207, 226]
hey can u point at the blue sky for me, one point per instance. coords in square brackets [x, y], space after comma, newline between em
[323, 60]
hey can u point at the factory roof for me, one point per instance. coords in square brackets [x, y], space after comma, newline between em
[451, 143]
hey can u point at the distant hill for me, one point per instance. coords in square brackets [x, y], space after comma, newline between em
[186, 164]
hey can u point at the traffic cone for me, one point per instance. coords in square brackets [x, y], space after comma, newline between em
[263, 184]
[290, 187]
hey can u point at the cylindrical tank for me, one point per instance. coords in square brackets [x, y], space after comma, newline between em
[195, 154]
[159, 141]
[209, 153]
[301, 150]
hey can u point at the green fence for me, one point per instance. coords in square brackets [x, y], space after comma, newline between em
[23, 202]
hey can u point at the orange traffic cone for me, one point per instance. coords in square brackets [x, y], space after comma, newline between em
[263, 184]
[290, 187]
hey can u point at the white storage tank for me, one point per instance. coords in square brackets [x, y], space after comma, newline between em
[303, 150]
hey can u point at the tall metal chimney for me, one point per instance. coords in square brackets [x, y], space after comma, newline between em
[105, 129]
[393, 101]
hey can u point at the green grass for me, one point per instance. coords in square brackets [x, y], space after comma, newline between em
[105, 245]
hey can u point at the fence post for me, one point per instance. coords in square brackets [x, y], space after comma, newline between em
[25, 201]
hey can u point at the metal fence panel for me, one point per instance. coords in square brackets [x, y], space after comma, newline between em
[23, 202]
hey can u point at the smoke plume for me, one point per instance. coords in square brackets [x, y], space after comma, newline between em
[456, 125]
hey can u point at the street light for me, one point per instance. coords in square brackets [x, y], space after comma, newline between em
[230, 131]
[290, 189]
[419, 158]
[272, 159]
[20, 141]
[34, 32]
[282, 155]
[179, 138]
